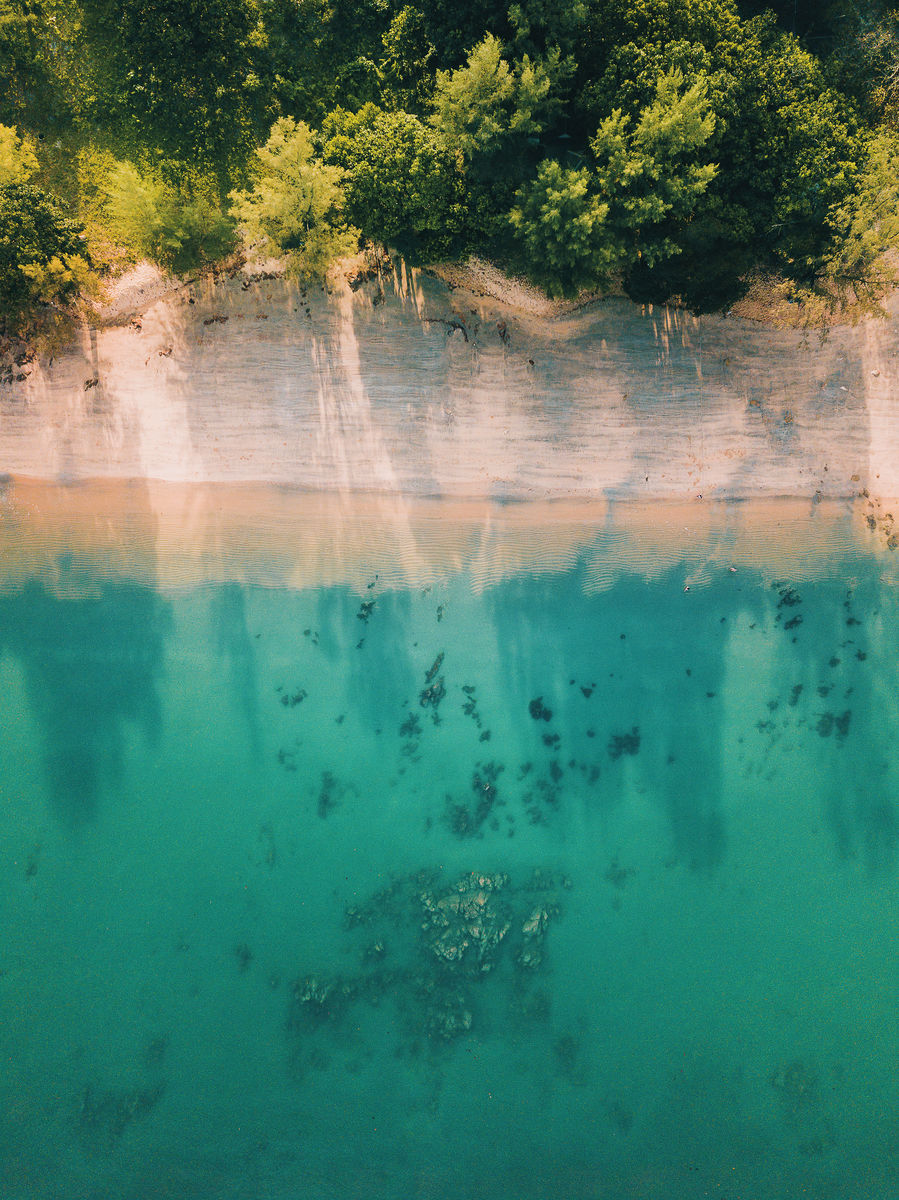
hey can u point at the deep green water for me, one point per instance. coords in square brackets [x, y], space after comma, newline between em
[235, 818]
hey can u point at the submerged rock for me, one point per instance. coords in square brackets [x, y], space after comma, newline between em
[449, 1016]
[624, 743]
[797, 1083]
[104, 1115]
[533, 933]
[318, 1000]
[432, 695]
[464, 925]
[429, 945]
[434, 668]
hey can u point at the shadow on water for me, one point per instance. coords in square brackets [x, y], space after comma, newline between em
[91, 666]
[843, 703]
[864, 823]
[367, 639]
[228, 613]
[646, 682]
[632, 677]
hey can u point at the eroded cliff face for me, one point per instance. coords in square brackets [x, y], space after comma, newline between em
[407, 387]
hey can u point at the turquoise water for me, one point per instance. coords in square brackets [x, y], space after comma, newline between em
[576, 884]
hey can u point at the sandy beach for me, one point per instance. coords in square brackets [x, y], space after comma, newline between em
[171, 535]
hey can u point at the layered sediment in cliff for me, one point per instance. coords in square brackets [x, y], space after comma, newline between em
[409, 386]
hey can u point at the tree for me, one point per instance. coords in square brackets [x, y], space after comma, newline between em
[324, 54]
[579, 227]
[564, 231]
[785, 141]
[654, 170]
[187, 71]
[406, 71]
[296, 206]
[177, 228]
[17, 159]
[539, 26]
[487, 109]
[860, 267]
[807, 19]
[47, 77]
[454, 26]
[533, 27]
[796, 147]
[17, 60]
[864, 60]
[612, 23]
[41, 260]
[403, 188]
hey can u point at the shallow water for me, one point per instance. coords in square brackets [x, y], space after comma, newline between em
[244, 954]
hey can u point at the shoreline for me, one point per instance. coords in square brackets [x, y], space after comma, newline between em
[77, 538]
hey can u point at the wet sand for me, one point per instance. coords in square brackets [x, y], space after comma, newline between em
[172, 535]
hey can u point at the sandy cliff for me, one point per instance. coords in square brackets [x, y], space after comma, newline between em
[409, 386]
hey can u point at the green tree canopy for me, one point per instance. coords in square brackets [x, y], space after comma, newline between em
[454, 26]
[18, 67]
[185, 71]
[754, 155]
[41, 259]
[532, 27]
[490, 107]
[647, 173]
[177, 228]
[296, 205]
[653, 170]
[786, 142]
[567, 240]
[406, 73]
[403, 188]
[536, 27]
[17, 159]
[325, 54]
[859, 265]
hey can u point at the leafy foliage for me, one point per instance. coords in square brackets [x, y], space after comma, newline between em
[868, 227]
[403, 188]
[454, 26]
[564, 230]
[539, 26]
[582, 226]
[489, 106]
[405, 72]
[296, 205]
[17, 65]
[785, 141]
[40, 252]
[649, 170]
[183, 69]
[17, 159]
[173, 228]
[325, 54]
[675, 144]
